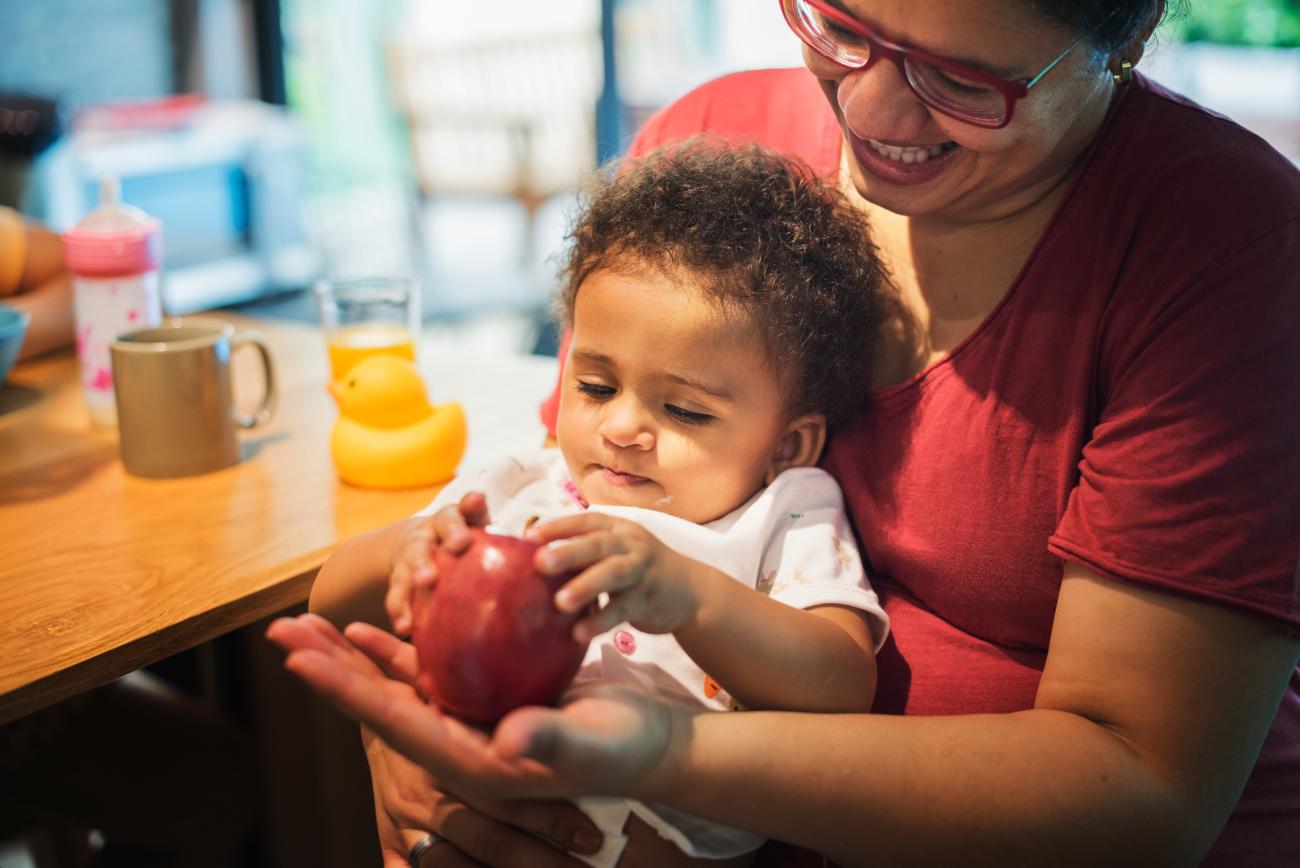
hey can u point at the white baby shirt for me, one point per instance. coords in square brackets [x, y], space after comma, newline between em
[791, 541]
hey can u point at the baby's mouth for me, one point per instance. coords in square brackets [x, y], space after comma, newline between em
[910, 154]
[617, 477]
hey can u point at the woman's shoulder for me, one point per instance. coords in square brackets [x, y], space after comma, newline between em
[783, 109]
[1179, 163]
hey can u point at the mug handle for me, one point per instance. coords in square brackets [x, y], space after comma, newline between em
[269, 398]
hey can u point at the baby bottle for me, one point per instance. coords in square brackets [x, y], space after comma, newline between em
[114, 256]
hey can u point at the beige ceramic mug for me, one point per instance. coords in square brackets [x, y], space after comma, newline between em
[175, 410]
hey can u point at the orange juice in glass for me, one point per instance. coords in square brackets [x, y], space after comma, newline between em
[351, 344]
[366, 317]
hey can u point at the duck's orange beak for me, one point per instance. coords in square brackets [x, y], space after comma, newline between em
[335, 389]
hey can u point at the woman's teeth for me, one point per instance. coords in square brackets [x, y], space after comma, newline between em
[910, 155]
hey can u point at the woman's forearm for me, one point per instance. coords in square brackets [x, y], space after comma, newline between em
[1031, 788]
[1149, 717]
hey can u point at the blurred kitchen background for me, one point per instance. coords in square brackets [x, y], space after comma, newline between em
[284, 140]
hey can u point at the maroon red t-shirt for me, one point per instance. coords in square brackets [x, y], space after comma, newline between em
[1132, 404]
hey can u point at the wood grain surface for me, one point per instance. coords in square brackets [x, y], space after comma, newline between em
[102, 572]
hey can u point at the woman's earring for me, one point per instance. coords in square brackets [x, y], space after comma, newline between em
[1125, 74]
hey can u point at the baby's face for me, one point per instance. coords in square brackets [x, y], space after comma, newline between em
[666, 403]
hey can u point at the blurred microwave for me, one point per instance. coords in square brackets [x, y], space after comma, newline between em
[227, 180]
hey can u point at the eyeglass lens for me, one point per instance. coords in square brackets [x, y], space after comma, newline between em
[940, 88]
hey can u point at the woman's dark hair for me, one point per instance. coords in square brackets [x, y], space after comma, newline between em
[764, 239]
[1118, 22]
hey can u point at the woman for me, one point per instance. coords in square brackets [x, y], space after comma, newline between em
[1075, 480]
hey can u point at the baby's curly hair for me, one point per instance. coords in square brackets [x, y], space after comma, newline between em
[765, 239]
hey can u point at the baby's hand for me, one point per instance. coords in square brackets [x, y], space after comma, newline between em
[413, 569]
[649, 584]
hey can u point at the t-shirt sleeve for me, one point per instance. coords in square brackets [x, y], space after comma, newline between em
[13, 250]
[1191, 479]
[811, 558]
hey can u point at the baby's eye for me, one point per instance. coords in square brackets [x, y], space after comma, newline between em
[598, 391]
[690, 417]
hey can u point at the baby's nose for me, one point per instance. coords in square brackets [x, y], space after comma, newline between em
[627, 427]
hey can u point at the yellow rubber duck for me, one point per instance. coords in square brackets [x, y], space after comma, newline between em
[388, 435]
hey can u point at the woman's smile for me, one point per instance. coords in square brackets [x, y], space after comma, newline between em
[910, 153]
[903, 165]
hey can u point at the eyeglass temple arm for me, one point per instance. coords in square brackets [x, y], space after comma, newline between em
[1073, 45]
[1064, 54]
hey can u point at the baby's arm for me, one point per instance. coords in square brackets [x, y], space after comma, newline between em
[765, 653]
[769, 655]
[371, 577]
[353, 581]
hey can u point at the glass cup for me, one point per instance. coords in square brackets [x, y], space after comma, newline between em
[366, 317]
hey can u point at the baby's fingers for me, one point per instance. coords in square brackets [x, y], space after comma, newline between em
[611, 576]
[576, 553]
[397, 601]
[618, 610]
[451, 523]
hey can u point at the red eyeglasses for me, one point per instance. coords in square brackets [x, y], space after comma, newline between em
[965, 93]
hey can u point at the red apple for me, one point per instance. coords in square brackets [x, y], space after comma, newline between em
[488, 635]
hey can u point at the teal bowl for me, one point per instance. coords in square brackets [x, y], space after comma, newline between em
[13, 328]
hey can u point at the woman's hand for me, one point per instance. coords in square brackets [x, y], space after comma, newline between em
[409, 803]
[412, 559]
[519, 834]
[650, 585]
[610, 739]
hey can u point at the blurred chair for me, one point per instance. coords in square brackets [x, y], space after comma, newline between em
[510, 118]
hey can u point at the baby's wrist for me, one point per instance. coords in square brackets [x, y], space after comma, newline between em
[399, 538]
[699, 587]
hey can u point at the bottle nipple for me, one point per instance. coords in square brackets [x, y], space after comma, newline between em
[112, 214]
[110, 190]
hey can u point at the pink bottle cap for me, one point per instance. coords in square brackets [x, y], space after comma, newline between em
[114, 240]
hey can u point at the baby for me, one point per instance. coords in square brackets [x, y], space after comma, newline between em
[721, 304]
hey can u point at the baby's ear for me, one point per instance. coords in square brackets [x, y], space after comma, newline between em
[800, 446]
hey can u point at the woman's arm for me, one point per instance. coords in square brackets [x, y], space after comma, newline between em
[1150, 715]
[1148, 720]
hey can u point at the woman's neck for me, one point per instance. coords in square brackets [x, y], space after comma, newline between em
[951, 270]
[949, 274]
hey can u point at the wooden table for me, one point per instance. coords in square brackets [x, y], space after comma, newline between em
[102, 572]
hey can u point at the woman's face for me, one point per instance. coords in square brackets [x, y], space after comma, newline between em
[971, 174]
